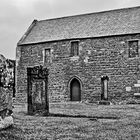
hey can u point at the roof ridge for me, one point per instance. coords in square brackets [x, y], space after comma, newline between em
[98, 12]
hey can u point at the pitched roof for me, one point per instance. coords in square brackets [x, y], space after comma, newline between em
[113, 22]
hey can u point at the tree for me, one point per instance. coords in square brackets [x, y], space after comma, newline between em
[6, 86]
[6, 83]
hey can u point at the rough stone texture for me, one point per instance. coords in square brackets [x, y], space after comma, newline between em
[5, 99]
[97, 57]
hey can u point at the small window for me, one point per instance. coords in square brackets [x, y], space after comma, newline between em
[31, 51]
[75, 48]
[133, 48]
[47, 56]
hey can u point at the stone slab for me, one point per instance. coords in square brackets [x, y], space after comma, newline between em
[136, 85]
[103, 102]
[136, 94]
[128, 88]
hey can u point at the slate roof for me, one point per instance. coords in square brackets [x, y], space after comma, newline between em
[113, 22]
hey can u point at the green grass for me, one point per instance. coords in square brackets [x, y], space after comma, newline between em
[71, 121]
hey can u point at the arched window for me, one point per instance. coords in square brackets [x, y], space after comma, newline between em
[75, 90]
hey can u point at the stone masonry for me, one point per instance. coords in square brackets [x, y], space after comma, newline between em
[97, 57]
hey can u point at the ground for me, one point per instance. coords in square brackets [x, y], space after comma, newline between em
[77, 121]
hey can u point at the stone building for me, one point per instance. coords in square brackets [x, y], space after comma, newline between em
[79, 51]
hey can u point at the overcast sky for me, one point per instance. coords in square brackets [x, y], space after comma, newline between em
[17, 15]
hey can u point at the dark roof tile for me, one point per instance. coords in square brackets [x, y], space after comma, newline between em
[114, 22]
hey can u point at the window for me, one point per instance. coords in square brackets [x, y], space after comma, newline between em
[74, 48]
[133, 48]
[47, 56]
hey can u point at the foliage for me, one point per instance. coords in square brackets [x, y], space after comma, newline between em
[6, 77]
[6, 85]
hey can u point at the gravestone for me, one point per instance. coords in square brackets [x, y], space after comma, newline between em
[37, 79]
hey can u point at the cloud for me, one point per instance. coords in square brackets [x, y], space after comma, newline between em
[17, 15]
[23, 3]
[43, 9]
[130, 3]
[32, 6]
[60, 8]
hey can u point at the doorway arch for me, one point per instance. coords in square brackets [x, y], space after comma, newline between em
[75, 90]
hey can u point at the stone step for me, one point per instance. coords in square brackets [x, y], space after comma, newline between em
[137, 84]
[137, 94]
[103, 102]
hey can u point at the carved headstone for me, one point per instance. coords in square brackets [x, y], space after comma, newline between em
[37, 90]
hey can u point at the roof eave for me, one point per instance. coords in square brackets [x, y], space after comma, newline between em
[40, 42]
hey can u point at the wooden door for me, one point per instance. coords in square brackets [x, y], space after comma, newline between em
[75, 90]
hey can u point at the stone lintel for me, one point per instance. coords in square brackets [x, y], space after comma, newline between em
[128, 88]
[136, 94]
[136, 85]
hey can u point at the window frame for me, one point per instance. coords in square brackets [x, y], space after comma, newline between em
[44, 57]
[72, 53]
[138, 48]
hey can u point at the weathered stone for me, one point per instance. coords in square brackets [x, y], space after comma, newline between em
[6, 122]
[137, 94]
[103, 102]
[128, 89]
[136, 85]
[104, 59]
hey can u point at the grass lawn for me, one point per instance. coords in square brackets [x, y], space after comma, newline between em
[77, 121]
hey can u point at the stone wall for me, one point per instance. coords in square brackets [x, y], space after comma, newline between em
[97, 57]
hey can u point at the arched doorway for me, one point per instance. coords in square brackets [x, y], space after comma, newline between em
[75, 90]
